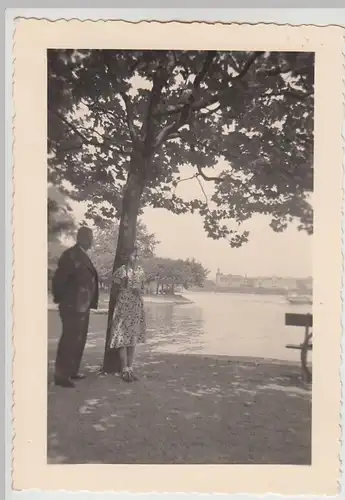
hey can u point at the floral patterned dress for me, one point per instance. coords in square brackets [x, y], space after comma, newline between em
[128, 326]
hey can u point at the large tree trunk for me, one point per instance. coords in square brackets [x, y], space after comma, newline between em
[125, 245]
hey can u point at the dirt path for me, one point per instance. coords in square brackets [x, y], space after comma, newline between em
[185, 409]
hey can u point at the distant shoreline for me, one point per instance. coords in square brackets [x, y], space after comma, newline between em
[151, 299]
[247, 291]
[167, 299]
[159, 299]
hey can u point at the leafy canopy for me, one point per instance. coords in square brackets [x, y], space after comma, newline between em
[185, 113]
[187, 272]
[61, 221]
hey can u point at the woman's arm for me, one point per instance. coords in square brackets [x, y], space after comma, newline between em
[139, 280]
[119, 275]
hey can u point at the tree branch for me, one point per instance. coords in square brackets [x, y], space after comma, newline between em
[204, 103]
[203, 190]
[159, 81]
[234, 63]
[172, 128]
[129, 112]
[196, 84]
[90, 129]
[65, 149]
[201, 75]
[186, 109]
[207, 177]
[85, 140]
[174, 135]
[183, 180]
[107, 140]
[125, 97]
[214, 110]
[295, 94]
[248, 64]
[97, 107]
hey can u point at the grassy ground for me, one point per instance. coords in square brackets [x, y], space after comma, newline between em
[185, 409]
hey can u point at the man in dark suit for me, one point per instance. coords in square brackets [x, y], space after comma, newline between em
[75, 289]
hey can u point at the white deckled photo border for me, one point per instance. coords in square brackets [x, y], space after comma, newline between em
[322, 477]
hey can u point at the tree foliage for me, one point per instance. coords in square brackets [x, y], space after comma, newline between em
[173, 272]
[181, 113]
[60, 216]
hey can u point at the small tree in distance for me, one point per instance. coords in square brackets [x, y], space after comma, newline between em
[174, 272]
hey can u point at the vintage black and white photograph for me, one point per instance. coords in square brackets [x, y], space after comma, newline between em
[177, 269]
[180, 237]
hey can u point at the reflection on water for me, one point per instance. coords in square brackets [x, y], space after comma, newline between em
[225, 324]
[175, 328]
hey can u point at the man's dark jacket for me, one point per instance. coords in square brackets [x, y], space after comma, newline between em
[75, 283]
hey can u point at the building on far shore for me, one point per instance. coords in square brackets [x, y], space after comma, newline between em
[226, 280]
[263, 282]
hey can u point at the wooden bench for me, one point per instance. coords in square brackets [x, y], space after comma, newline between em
[306, 321]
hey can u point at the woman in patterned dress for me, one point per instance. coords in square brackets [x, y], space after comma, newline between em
[128, 324]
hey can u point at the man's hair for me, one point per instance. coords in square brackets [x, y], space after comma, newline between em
[83, 230]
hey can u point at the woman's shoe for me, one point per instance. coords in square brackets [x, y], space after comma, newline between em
[78, 376]
[133, 376]
[126, 376]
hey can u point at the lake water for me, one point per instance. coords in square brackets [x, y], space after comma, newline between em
[225, 324]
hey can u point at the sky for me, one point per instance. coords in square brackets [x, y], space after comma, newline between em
[265, 254]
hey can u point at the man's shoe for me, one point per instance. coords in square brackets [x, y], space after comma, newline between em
[78, 376]
[63, 382]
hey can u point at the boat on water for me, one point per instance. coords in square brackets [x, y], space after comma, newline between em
[299, 299]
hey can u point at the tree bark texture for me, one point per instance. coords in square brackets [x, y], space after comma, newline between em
[125, 246]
